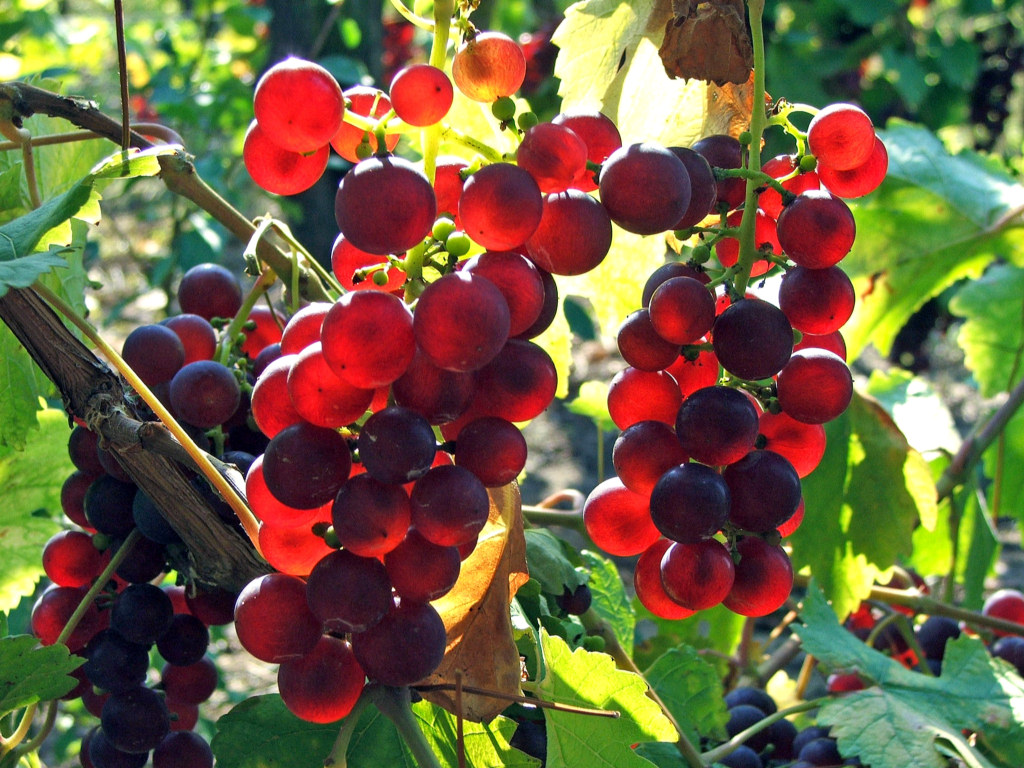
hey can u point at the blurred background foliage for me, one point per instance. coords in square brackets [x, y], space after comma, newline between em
[956, 66]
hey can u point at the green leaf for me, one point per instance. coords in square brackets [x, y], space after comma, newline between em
[992, 337]
[549, 562]
[261, 733]
[903, 715]
[32, 480]
[716, 628]
[486, 744]
[608, 60]
[869, 480]
[936, 219]
[375, 742]
[591, 680]
[691, 688]
[610, 600]
[918, 410]
[30, 673]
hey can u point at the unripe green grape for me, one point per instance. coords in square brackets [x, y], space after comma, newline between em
[808, 163]
[443, 227]
[457, 243]
[380, 277]
[700, 254]
[744, 138]
[527, 120]
[363, 149]
[504, 109]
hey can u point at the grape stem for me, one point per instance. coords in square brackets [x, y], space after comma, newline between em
[748, 250]
[338, 756]
[396, 705]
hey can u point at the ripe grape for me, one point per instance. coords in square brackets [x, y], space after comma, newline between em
[690, 502]
[554, 155]
[183, 749]
[802, 444]
[262, 330]
[574, 234]
[770, 201]
[1006, 603]
[403, 647]
[640, 344]
[817, 301]
[816, 386]
[682, 310]
[141, 613]
[396, 445]
[368, 338]
[449, 505]
[191, 683]
[645, 188]
[209, 290]
[665, 272]
[185, 641]
[717, 425]
[619, 520]
[272, 619]
[197, 336]
[643, 452]
[71, 560]
[437, 394]
[205, 393]
[519, 281]
[833, 342]
[461, 321]
[281, 171]
[108, 506]
[860, 180]
[370, 518]
[266, 507]
[724, 151]
[421, 94]
[348, 593]
[293, 550]
[323, 685]
[764, 490]
[385, 205]
[135, 720]
[299, 105]
[727, 250]
[420, 570]
[114, 663]
[518, 384]
[493, 449]
[448, 186]
[636, 395]
[101, 753]
[649, 589]
[599, 134]
[817, 229]
[489, 66]
[703, 190]
[271, 406]
[154, 352]
[305, 465]
[500, 206]
[695, 372]
[841, 136]
[752, 339]
[697, 575]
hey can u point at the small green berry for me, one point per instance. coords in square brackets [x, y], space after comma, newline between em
[700, 254]
[504, 109]
[745, 138]
[380, 277]
[363, 149]
[527, 120]
[442, 228]
[457, 243]
[808, 163]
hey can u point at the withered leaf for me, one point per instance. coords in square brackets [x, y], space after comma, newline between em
[728, 108]
[707, 41]
[476, 614]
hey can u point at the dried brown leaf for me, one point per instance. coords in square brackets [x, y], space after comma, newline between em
[476, 615]
[707, 41]
[728, 107]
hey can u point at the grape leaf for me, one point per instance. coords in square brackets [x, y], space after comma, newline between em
[30, 673]
[918, 410]
[992, 337]
[32, 480]
[936, 219]
[691, 689]
[902, 716]
[610, 600]
[717, 628]
[476, 613]
[261, 733]
[869, 480]
[485, 745]
[586, 679]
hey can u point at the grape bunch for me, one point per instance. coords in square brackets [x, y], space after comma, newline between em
[721, 413]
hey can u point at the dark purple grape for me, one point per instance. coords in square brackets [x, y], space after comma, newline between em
[205, 393]
[141, 613]
[102, 753]
[108, 506]
[724, 151]
[491, 448]
[150, 520]
[933, 634]
[209, 290]
[185, 641]
[135, 720]
[348, 593]
[113, 663]
[154, 352]
[753, 339]
[396, 445]
[420, 570]
[690, 502]
[765, 491]
[403, 647]
[703, 189]
[449, 505]
[183, 749]
[645, 188]
[304, 466]
[717, 425]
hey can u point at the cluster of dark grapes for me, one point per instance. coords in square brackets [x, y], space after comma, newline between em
[724, 396]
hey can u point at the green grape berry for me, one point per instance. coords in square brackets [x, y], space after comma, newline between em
[808, 163]
[504, 109]
[380, 277]
[700, 254]
[527, 120]
[442, 228]
[457, 243]
[744, 138]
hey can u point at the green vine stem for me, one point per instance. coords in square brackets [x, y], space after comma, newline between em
[338, 756]
[758, 120]
[716, 754]
[245, 516]
[396, 705]
[431, 136]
